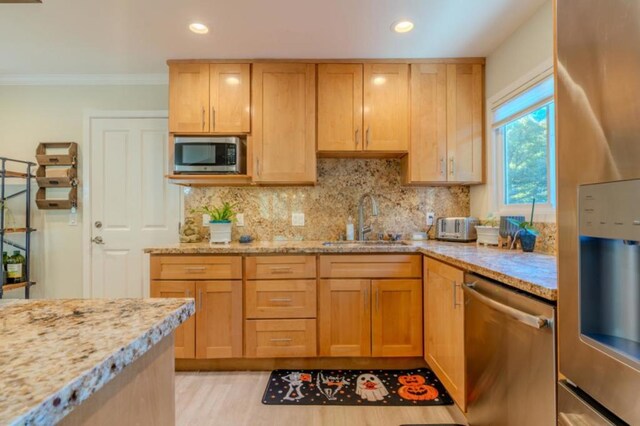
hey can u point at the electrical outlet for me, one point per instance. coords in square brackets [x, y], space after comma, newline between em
[297, 219]
[430, 218]
[205, 219]
[240, 219]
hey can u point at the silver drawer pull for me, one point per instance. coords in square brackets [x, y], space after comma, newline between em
[195, 268]
[280, 300]
[282, 270]
[282, 340]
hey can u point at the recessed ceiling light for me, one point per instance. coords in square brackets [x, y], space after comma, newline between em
[402, 26]
[198, 28]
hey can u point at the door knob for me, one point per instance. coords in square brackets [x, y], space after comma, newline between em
[98, 224]
[97, 240]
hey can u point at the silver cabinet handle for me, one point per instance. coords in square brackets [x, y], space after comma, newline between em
[281, 270]
[200, 299]
[442, 166]
[203, 119]
[368, 133]
[258, 167]
[357, 140]
[366, 298]
[97, 240]
[281, 340]
[377, 300]
[451, 164]
[455, 295]
[195, 269]
[281, 300]
[523, 317]
[213, 119]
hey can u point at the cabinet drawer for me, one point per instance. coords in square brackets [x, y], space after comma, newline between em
[371, 266]
[279, 267]
[196, 267]
[280, 338]
[281, 299]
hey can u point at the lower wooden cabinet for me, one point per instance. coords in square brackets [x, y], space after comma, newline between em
[381, 318]
[219, 319]
[215, 331]
[281, 338]
[444, 326]
[185, 335]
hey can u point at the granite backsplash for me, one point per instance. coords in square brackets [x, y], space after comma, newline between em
[328, 205]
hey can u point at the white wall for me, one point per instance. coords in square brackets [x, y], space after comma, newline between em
[33, 114]
[527, 48]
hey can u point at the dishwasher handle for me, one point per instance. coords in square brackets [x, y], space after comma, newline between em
[523, 317]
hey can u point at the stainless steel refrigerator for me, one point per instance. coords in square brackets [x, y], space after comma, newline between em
[598, 170]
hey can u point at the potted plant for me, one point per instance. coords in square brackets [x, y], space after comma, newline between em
[526, 232]
[220, 219]
[488, 231]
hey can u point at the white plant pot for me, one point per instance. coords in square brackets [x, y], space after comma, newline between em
[220, 232]
[488, 235]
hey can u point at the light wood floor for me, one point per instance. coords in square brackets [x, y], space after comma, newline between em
[234, 398]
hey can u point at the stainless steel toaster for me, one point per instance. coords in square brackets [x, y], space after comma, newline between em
[461, 229]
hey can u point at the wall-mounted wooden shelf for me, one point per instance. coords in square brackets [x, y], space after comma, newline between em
[45, 158]
[57, 170]
[62, 204]
[66, 179]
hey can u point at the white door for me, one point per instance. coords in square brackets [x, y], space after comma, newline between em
[132, 204]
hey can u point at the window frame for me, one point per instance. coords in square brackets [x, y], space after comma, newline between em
[545, 212]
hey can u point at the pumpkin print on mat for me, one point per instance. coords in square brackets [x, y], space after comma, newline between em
[355, 387]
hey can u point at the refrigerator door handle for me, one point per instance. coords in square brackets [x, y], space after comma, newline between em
[523, 317]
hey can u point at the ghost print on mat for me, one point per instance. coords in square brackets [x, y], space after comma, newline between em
[355, 387]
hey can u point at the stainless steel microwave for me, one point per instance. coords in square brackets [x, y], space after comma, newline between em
[210, 155]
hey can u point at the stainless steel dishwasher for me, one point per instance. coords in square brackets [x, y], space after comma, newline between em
[510, 353]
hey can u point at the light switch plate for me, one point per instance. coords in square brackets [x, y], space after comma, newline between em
[240, 219]
[297, 219]
[205, 219]
[430, 218]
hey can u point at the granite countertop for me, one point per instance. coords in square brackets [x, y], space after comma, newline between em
[54, 354]
[534, 273]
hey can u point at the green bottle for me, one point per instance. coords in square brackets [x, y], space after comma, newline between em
[15, 268]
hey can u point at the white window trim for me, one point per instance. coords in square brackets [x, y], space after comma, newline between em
[543, 212]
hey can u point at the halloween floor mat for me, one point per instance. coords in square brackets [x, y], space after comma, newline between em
[355, 387]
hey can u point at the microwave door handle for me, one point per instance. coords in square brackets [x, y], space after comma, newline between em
[523, 317]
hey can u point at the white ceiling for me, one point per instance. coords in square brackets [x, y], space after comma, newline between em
[137, 36]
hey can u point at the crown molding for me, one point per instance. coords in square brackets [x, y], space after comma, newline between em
[83, 79]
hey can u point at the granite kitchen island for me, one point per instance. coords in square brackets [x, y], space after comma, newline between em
[89, 361]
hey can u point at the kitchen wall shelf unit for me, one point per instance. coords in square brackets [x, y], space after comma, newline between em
[24, 181]
[447, 125]
[57, 170]
[429, 112]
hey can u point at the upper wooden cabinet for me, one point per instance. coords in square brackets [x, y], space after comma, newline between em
[340, 107]
[363, 107]
[446, 124]
[284, 122]
[209, 98]
[464, 122]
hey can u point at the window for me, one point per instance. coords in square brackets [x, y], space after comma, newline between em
[524, 142]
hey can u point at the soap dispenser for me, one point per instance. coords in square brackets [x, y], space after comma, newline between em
[350, 229]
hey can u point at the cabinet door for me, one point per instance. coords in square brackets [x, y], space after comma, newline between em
[345, 317]
[339, 107]
[185, 335]
[427, 157]
[284, 122]
[444, 325]
[386, 107]
[188, 98]
[219, 319]
[396, 317]
[464, 122]
[230, 98]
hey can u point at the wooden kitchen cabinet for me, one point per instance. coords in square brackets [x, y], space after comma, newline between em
[396, 318]
[209, 98]
[444, 326]
[345, 317]
[284, 123]
[219, 319]
[465, 123]
[386, 107]
[185, 334]
[340, 107]
[188, 98]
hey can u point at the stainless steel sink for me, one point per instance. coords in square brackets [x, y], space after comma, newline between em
[365, 243]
